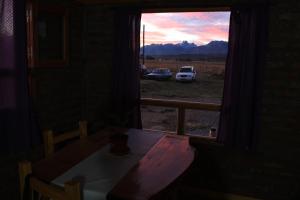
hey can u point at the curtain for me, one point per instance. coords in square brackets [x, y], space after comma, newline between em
[18, 131]
[125, 101]
[241, 107]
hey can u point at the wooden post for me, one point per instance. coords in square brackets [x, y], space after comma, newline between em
[180, 120]
[24, 170]
[143, 44]
[73, 190]
[83, 129]
[48, 142]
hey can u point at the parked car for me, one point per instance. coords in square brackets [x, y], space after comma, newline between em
[186, 73]
[160, 74]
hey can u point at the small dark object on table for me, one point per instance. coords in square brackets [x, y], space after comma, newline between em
[119, 144]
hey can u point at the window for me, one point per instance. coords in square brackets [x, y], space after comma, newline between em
[47, 35]
[193, 46]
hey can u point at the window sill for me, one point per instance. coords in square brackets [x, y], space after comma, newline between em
[203, 140]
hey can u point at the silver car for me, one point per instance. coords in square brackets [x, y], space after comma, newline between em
[160, 74]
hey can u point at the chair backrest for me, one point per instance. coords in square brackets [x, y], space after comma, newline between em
[70, 191]
[50, 139]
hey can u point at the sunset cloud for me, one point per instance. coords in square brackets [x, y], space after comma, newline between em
[197, 27]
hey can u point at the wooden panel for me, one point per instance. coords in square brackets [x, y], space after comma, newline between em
[182, 104]
[165, 162]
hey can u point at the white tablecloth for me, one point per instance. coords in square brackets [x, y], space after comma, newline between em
[101, 171]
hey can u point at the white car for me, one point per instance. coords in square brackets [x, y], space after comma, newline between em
[186, 73]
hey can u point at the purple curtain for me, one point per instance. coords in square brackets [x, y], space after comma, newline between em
[18, 131]
[125, 102]
[240, 114]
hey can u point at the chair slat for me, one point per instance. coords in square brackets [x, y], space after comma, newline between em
[47, 190]
[66, 136]
[70, 191]
[50, 139]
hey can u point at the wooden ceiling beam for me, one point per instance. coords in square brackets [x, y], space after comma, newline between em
[151, 6]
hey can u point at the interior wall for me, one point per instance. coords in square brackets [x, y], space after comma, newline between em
[80, 90]
[98, 58]
[281, 100]
[57, 98]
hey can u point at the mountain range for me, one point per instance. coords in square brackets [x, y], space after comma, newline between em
[185, 48]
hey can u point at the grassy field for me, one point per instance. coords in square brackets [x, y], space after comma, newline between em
[210, 67]
[208, 87]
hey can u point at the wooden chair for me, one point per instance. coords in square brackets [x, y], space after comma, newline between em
[70, 191]
[50, 139]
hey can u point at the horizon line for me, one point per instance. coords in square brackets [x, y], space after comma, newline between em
[141, 45]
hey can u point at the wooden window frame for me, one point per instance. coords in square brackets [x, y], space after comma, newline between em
[188, 9]
[32, 14]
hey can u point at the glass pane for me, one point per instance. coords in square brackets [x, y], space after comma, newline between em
[50, 36]
[159, 118]
[199, 122]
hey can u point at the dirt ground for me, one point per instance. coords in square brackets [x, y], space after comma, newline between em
[208, 88]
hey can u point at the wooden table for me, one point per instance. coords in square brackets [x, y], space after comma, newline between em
[158, 168]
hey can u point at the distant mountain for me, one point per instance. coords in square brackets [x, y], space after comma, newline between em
[186, 48]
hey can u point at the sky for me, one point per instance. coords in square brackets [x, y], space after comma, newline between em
[197, 27]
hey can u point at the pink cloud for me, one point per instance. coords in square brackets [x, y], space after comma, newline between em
[153, 37]
[209, 33]
[195, 15]
[160, 20]
[198, 27]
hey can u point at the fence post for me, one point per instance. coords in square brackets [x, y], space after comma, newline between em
[180, 120]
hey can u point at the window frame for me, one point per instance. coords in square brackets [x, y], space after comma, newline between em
[160, 102]
[32, 15]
